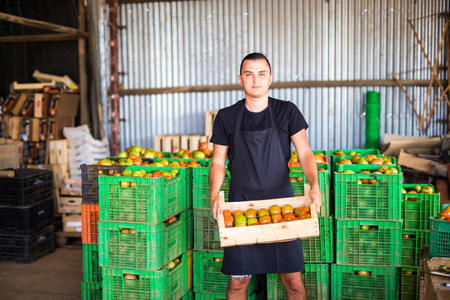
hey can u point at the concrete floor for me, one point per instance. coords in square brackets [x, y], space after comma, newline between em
[56, 276]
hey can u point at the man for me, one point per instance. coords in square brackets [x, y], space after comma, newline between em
[256, 134]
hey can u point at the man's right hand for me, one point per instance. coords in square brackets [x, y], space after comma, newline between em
[216, 206]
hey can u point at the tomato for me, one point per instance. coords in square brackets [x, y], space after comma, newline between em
[203, 146]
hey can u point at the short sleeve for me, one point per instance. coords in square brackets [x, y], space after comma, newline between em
[219, 135]
[296, 120]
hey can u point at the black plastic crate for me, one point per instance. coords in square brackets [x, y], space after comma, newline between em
[26, 220]
[89, 180]
[26, 187]
[26, 249]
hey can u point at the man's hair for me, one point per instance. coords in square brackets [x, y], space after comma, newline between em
[255, 56]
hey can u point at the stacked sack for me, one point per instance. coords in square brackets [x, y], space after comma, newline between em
[143, 234]
[368, 227]
[318, 252]
[26, 215]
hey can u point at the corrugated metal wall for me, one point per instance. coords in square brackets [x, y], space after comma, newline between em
[167, 44]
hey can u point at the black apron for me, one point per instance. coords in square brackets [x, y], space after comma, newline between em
[258, 172]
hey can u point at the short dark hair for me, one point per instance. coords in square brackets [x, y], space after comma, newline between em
[255, 56]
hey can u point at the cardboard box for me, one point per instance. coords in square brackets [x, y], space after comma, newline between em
[68, 105]
[17, 109]
[414, 162]
[15, 128]
[38, 105]
[57, 126]
[71, 222]
[34, 130]
[69, 204]
[58, 152]
[60, 172]
[269, 233]
[423, 145]
[9, 157]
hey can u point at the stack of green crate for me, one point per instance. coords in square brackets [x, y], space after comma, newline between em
[143, 249]
[368, 233]
[92, 272]
[417, 208]
[318, 252]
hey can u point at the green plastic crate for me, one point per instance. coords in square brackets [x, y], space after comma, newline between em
[380, 201]
[320, 249]
[150, 247]
[439, 237]
[152, 201]
[324, 186]
[409, 284]
[412, 245]
[382, 247]
[334, 159]
[418, 208]
[206, 231]
[91, 290]
[189, 175]
[208, 277]
[161, 284]
[206, 296]
[316, 278]
[91, 268]
[383, 283]
[190, 229]
[189, 295]
[201, 197]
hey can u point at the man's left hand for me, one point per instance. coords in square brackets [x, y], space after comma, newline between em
[314, 194]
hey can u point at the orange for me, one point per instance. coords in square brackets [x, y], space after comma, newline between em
[287, 208]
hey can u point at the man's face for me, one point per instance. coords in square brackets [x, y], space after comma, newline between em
[255, 78]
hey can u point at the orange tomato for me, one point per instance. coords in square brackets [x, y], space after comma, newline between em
[287, 208]
[276, 218]
[237, 212]
[203, 145]
[226, 212]
[301, 210]
[265, 219]
[133, 156]
[228, 220]
[137, 161]
[289, 216]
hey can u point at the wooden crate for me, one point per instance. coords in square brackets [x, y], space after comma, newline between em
[167, 143]
[260, 234]
[58, 151]
[71, 222]
[69, 204]
[9, 156]
[60, 172]
[210, 116]
[191, 142]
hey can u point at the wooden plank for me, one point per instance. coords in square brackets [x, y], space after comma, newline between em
[84, 110]
[167, 143]
[269, 233]
[57, 37]
[276, 85]
[42, 25]
[210, 116]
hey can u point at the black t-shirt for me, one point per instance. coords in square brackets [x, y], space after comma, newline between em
[288, 119]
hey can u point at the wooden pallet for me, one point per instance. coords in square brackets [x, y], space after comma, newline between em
[68, 239]
[210, 116]
[175, 142]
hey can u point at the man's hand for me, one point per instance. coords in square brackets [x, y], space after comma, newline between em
[216, 206]
[314, 194]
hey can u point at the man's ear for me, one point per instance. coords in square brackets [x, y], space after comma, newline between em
[240, 79]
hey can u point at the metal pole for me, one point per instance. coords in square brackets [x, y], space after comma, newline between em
[114, 50]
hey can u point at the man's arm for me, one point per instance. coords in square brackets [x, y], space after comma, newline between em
[216, 177]
[308, 163]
